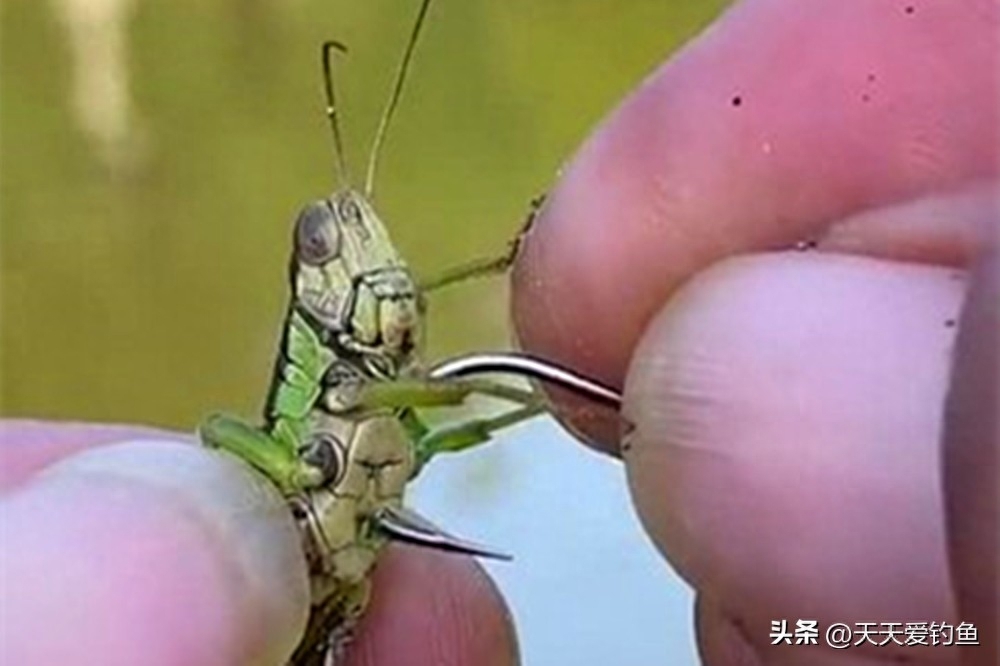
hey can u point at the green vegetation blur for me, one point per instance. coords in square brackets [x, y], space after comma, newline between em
[153, 156]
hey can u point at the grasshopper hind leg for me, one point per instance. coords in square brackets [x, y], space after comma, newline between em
[269, 456]
[469, 433]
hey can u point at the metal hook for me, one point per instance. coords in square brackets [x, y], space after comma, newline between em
[404, 525]
[525, 365]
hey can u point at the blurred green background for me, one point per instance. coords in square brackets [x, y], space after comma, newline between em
[153, 156]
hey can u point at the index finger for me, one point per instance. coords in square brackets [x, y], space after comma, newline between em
[783, 118]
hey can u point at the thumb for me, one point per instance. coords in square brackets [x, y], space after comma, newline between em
[785, 455]
[151, 552]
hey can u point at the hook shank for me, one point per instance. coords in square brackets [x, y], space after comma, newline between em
[525, 365]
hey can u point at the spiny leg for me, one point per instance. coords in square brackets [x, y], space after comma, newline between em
[402, 393]
[486, 267]
[407, 394]
[455, 374]
[466, 434]
[483, 267]
[269, 456]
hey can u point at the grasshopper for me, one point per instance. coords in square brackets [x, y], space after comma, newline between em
[341, 436]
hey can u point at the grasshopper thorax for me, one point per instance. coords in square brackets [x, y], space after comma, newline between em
[349, 281]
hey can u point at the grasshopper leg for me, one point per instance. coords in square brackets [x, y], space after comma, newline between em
[487, 267]
[407, 394]
[478, 268]
[402, 393]
[472, 432]
[269, 456]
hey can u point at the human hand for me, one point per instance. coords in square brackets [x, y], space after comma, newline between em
[788, 407]
[159, 552]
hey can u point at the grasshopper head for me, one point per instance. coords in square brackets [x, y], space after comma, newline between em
[349, 279]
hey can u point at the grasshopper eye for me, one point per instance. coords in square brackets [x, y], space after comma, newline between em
[317, 237]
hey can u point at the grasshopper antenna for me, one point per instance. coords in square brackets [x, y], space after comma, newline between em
[331, 107]
[390, 107]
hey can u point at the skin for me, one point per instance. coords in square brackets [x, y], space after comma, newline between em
[790, 453]
[790, 450]
[150, 564]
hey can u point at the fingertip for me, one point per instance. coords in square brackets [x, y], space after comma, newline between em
[729, 148]
[28, 446]
[776, 399]
[434, 608]
[151, 552]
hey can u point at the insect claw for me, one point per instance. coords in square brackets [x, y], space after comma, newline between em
[403, 525]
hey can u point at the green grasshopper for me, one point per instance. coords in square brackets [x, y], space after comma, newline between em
[341, 437]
